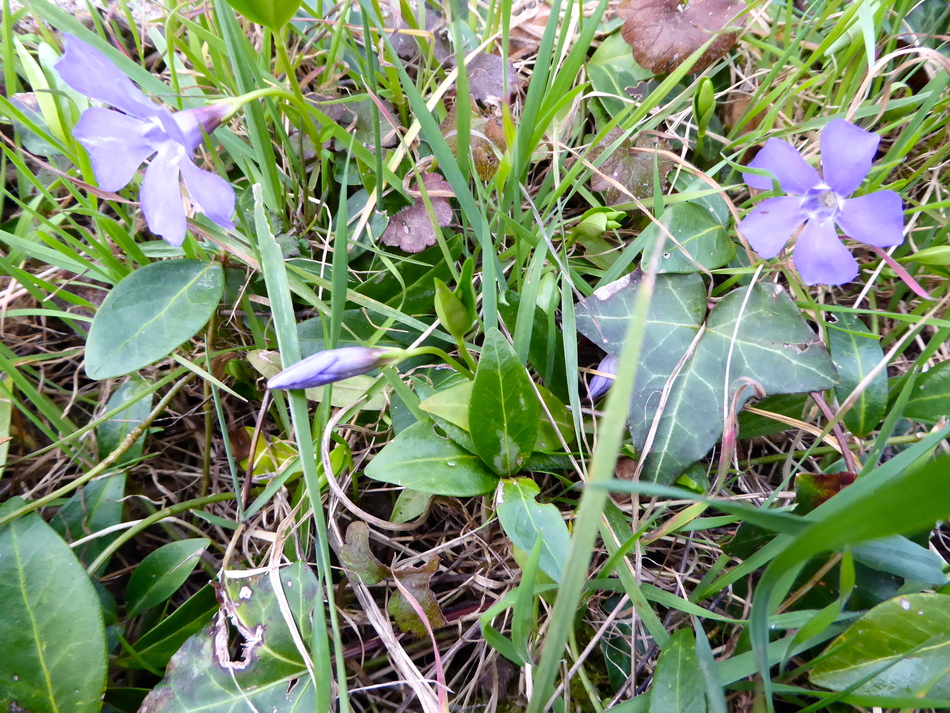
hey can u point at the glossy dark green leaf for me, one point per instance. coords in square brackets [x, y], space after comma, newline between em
[678, 681]
[270, 13]
[150, 313]
[855, 352]
[761, 337]
[503, 411]
[613, 72]
[271, 676]
[156, 646]
[546, 350]
[162, 572]
[908, 637]
[421, 459]
[92, 508]
[931, 398]
[703, 240]
[525, 520]
[111, 433]
[52, 637]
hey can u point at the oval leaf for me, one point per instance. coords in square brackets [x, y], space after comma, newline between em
[94, 507]
[270, 13]
[150, 313]
[524, 520]
[420, 459]
[855, 352]
[912, 633]
[270, 675]
[931, 399]
[678, 680]
[503, 411]
[162, 573]
[51, 632]
[109, 435]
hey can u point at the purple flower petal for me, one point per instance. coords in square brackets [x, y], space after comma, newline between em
[820, 256]
[846, 155]
[783, 161]
[116, 145]
[195, 123]
[210, 193]
[771, 223]
[92, 74]
[161, 195]
[875, 219]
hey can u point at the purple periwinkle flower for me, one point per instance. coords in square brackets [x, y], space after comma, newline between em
[333, 365]
[119, 141]
[819, 203]
[600, 384]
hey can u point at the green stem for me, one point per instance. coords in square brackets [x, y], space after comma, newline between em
[435, 351]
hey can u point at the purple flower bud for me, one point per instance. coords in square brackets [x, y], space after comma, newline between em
[599, 384]
[333, 365]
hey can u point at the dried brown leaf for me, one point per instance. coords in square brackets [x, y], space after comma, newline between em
[664, 33]
[487, 140]
[411, 228]
[416, 581]
[486, 79]
[357, 557]
[629, 168]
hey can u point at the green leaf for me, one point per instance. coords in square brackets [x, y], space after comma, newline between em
[855, 352]
[613, 71]
[162, 572]
[51, 632]
[270, 13]
[525, 520]
[150, 313]
[410, 504]
[420, 459]
[92, 508]
[503, 412]
[903, 644]
[157, 645]
[452, 404]
[760, 336]
[678, 681]
[111, 433]
[931, 399]
[702, 239]
[271, 676]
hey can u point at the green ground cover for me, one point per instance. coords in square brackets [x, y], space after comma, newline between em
[481, 356]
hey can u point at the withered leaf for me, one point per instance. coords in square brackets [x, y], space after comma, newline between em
[487, 139]
[664, 33]
[630, 168]
[357, 557]
[411, 228]
[416, 581]
[486, 79]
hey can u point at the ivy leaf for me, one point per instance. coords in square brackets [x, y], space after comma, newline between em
[759, 336]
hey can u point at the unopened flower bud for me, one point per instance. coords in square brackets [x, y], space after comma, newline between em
[333, 365]
[599, 384]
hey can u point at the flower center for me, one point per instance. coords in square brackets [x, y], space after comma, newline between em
[821, 204]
